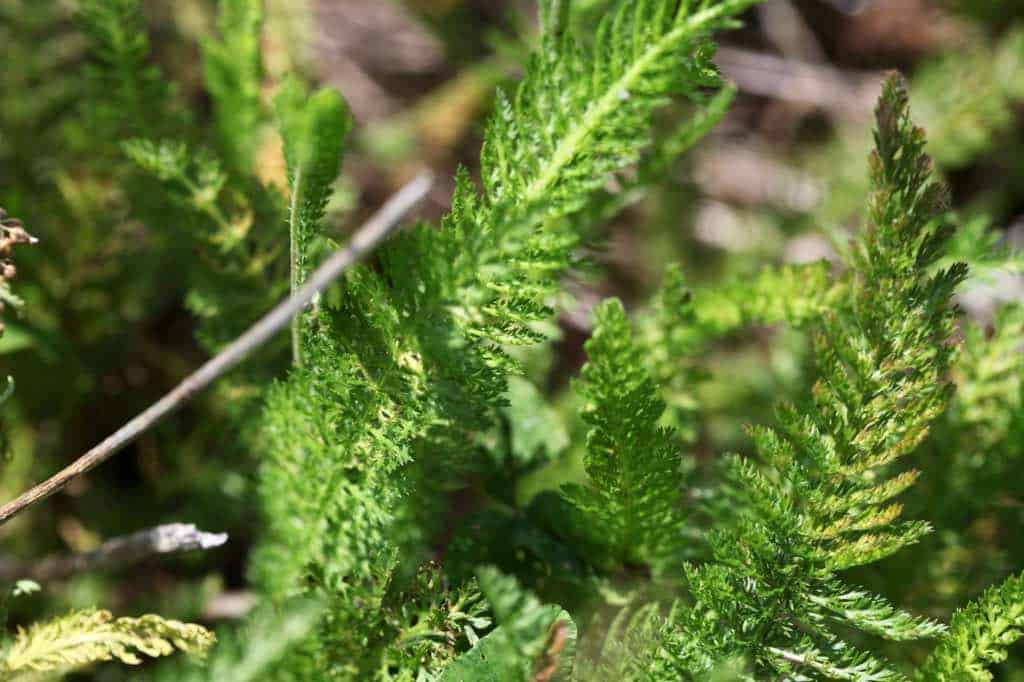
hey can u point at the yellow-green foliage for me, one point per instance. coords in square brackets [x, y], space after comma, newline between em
[978, 636]
[92, 635]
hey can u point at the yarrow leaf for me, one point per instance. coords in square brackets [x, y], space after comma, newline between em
[91, 635]
[823, 502]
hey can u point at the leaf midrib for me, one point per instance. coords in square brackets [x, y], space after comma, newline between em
[596, 113]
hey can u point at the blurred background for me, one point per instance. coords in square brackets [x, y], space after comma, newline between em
[108, 323]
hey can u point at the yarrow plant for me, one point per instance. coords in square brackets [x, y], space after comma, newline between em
[410, 389]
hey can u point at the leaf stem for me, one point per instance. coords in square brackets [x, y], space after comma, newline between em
[294, 247]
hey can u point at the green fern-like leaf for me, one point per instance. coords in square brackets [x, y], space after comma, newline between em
[578, 117]
[978, 636]
[125, 89]
[657, 161]
[314, 130]
[196, 178]
[634, 467]
[682, 324]
[630, 649]
[825, 502]
[233, 68]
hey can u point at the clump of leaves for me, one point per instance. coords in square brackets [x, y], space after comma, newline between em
[635, 560]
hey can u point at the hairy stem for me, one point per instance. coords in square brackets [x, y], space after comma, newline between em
[293, 241]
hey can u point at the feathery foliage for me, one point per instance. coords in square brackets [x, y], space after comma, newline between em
[231, 216]
[634, 467]
[313, 131]
[979, 635]
[434, 505]
[411, 359]
[233, 68]
[90, 636]
[824, 501]
[125, 88]
[226, 222]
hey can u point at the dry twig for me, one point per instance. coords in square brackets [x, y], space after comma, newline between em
[170, 538]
